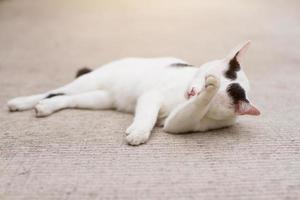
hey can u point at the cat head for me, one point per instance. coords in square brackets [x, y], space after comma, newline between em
[232, 97]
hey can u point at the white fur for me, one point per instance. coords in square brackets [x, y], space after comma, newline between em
[152, 89]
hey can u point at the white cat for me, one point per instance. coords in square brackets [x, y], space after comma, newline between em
[163, 91]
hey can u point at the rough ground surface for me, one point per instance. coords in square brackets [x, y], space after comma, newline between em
[77, 154]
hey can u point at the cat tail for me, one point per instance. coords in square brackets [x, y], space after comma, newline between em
[83, 71]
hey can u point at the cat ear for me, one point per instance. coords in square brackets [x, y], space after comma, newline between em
[245, 108]
[239, 51]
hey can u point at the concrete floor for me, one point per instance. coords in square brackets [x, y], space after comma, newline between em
[77, 154]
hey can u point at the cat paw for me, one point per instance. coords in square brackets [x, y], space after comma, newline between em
[137, 139]
[43, 109]
[136, 136]
[18, 104]
[211, 83]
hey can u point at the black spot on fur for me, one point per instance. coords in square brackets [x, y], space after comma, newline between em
[54, 95]
[83, 71]
[234, 67]
[181, 65]
[236, 92]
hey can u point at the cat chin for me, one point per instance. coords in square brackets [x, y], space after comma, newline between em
[220, 112]
[223, 115]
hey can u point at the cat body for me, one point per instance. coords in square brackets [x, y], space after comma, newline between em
[130, 78]
[167, 92]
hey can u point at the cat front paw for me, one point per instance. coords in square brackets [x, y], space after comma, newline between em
[136, 136]
[211, 83]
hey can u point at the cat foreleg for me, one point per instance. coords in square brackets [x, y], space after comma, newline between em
[99, 99]
[147, 109]
[184, 117]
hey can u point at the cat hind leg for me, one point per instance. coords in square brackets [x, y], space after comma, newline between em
[79, 85]
[98, 99]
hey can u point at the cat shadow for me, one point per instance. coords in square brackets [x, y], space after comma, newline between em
[233, 132]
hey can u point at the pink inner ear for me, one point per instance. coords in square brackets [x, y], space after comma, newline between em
[242, 51]
[245, 108]
[239, 51]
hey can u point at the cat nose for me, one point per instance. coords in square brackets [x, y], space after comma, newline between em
[192, 92]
